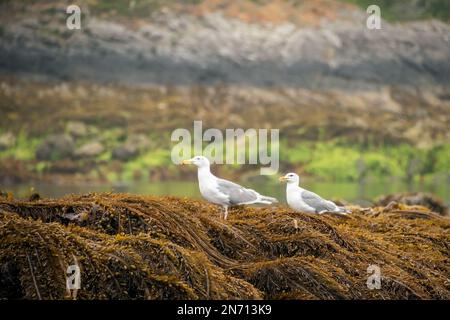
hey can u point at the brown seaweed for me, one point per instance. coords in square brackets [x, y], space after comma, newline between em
[137, 247]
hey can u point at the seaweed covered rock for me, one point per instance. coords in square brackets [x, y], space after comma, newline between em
[55, 146]
[7, 140]
[89, 150]
[132, 146]
[416, 199]
[137, 247]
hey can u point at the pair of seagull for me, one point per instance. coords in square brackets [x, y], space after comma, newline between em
[226, 193]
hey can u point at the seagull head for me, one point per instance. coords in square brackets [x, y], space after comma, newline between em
[290, 178]
[198, 161]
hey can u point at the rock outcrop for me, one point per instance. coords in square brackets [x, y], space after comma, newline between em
[55, 146]
[182, 48]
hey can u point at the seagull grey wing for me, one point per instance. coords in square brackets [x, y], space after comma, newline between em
[316, 202]
[236, 193]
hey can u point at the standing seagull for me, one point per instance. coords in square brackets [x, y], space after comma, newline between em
[223, 192]
[303, 200]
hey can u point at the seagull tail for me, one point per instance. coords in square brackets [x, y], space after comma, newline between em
[267, 200]
[344, 210]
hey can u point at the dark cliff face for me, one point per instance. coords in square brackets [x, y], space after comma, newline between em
[183, 49]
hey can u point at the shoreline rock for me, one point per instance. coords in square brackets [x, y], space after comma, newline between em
[169, 248]
[183, 49]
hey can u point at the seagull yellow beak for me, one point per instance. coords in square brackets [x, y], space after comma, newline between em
[282, 179]
[186, 162]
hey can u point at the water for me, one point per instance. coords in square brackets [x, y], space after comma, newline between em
[351, 192]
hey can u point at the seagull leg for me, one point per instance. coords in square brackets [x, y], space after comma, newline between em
[221, 212]
[225, 213]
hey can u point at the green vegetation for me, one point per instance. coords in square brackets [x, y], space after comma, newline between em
[139, 167]
[328, 161]
[24, 148]
[345, 162]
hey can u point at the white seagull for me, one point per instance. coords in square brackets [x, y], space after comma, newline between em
[224, 192]
[303, 200]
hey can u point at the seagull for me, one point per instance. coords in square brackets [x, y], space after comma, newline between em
[303, 200]
[223, 192]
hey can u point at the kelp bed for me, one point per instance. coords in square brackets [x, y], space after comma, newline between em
[136, 247]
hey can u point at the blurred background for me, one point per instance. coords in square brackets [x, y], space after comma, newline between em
[362, 113]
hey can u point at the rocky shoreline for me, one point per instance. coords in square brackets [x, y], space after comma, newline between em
[173, 48]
